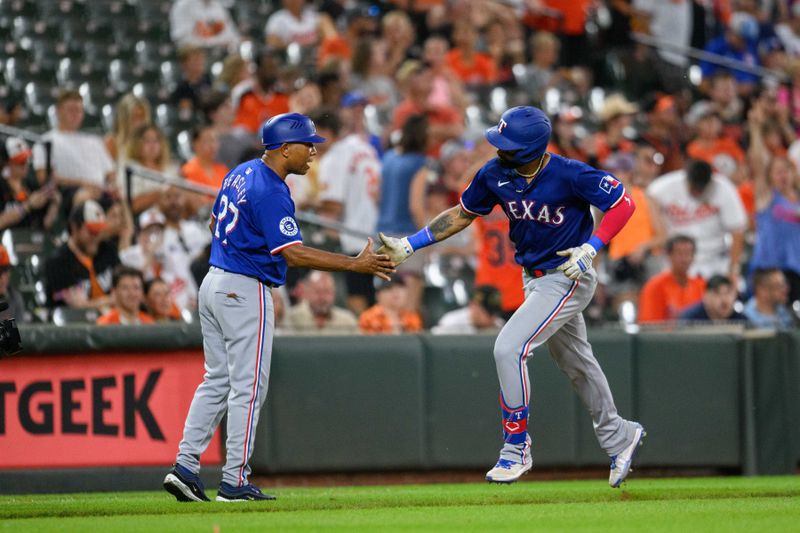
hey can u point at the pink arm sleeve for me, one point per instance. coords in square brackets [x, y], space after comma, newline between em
[615, 218]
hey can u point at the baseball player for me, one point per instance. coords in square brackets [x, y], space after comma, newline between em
[255, 238]
[547, 200]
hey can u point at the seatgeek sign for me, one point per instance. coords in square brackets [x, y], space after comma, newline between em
[97, 410]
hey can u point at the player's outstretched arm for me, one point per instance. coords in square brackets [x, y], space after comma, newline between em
[444, 225]
[366, 262]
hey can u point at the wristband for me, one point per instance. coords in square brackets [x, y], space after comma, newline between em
[596, 243]
[421, 239]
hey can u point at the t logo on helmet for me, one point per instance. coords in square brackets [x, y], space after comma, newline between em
[501, 125]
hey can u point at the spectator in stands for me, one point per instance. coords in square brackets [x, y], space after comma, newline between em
[218, 110]
[154, 259]
[78, 274]
[306, 98]
[705, 207]
[258, 99]
[350, 183]
[767, 307]
[10, 295]
[401, 165]
[444, 121]
[717, 304]
[159, 303]
[235, 70]
[148, 148]
[663, 130]
[398, 34]
[777, 205]
[296, 22]
[127, 296]
[568, 20]
[352, 113]
[666, 295]
[630, 251]
[476, 69]
[723, 98]
[180, 232]
[564, 140]
[505, 44]
[789, 31]
[204, 23]
[22, 203]
[390, 316]
[195, 82]
[616, 117]
[710, 145]
[670, 22]
[737, 42]
[130, 114]
[361, 23]
[448, 89]
[82, 167]
[119, 228]
[316, 313]
[541, 74]
[481, 315]
[203, 168]
[371, 78]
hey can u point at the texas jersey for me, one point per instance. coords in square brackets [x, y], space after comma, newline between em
[253, 221]
[550, 213]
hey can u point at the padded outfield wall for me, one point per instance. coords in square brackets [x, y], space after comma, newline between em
[108, 397]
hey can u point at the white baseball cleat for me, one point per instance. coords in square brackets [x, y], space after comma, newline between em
[506, 471]
[621, 463]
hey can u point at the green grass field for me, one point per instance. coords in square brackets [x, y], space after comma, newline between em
[686, 505]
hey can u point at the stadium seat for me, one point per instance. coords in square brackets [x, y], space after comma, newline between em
[96, 95]
[170, 75]
[67, 315]
[39, 96]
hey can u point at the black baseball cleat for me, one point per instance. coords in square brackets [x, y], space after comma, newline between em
[185, 485]
[247, 493]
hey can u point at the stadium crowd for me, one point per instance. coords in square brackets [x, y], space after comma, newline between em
[402, 91]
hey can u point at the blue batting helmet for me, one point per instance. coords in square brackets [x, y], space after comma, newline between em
[289, 128]
[524, 129]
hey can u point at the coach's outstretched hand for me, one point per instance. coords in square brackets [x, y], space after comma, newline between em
[580, 259]
[368, 262]
[398, 250]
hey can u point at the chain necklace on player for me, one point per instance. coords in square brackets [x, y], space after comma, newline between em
[529, 176]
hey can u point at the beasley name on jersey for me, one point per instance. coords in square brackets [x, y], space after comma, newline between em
[254, 222]
[550, 213]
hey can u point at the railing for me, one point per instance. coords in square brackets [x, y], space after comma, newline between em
[710, 57]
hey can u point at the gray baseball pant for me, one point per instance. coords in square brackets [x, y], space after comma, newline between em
[551, 314]
[238, 323]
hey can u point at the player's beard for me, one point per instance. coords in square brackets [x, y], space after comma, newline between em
[511, 165]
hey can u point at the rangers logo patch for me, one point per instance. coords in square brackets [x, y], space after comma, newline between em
[288, 226]
[608, 184]
[501, 126]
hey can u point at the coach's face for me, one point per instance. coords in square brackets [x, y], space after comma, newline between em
[298, 156]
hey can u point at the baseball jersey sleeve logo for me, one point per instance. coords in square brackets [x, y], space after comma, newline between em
[608, 184]
[288, 226]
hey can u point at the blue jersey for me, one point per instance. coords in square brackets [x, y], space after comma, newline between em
[254, 222]
[550, 213]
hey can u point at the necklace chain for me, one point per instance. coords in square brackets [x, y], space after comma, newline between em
[541, 162]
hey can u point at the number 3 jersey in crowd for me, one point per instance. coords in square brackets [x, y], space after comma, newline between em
[550, 213]
[253, 222]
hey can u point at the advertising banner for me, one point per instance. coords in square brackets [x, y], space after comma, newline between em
[95, 410]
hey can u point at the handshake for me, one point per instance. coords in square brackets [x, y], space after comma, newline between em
[398, 250]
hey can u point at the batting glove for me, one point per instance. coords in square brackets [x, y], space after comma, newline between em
[398, 250]
[580, 260]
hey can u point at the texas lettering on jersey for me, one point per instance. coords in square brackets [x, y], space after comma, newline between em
[550, 213]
